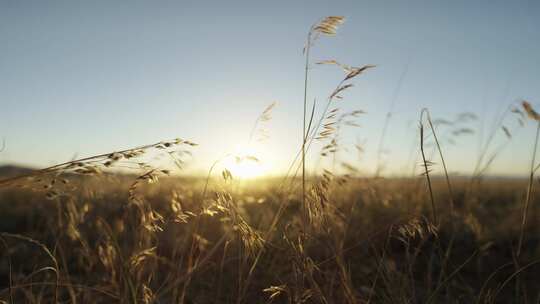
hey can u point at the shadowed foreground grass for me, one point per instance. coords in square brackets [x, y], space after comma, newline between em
[368, 241]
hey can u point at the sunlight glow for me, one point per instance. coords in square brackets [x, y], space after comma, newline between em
[245, 164]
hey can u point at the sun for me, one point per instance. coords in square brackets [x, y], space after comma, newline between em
[245, 164]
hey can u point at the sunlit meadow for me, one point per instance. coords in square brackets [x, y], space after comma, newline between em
[318, 198]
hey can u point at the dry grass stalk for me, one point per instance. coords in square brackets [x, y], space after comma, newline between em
[427, 164]
[534, 116]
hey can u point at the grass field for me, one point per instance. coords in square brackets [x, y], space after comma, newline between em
[371, 241]
[123, 227]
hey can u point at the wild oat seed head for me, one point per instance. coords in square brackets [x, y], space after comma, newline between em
[329, 25]
[530, 111]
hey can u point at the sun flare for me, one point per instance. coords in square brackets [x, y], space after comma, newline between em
[245, 164]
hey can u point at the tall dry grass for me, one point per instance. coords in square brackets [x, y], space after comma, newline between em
[123, 227]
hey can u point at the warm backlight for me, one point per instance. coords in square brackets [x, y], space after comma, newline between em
[245, 164]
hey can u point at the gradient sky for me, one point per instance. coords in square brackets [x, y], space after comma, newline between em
[88, 77]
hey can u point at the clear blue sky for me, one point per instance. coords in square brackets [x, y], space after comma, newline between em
[85, 77]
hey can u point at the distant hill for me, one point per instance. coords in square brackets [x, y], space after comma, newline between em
[13, 170]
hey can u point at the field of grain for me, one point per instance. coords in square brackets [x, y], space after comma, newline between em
[122, 227]
[368, 241]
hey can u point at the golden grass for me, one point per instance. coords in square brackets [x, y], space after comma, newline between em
[119, 227]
